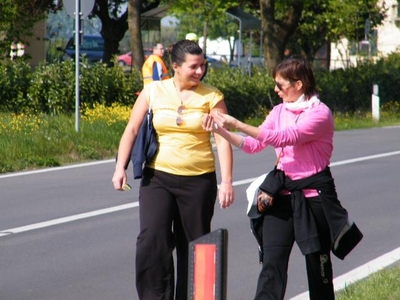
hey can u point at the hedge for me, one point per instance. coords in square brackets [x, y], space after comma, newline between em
[50, 87]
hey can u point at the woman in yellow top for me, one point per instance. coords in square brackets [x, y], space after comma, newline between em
[179, 187]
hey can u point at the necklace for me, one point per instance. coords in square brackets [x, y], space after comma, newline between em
[182, 107]
[177, 93]
[186, 93]
[179, 120]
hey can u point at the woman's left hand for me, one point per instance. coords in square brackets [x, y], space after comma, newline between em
[226, 194]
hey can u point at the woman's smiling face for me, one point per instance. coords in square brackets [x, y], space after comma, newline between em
[191, 70]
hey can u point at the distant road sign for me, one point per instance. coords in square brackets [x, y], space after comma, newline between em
[86, 7]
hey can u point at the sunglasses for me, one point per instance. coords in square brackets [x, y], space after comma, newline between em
[179, 120]
[280, 85]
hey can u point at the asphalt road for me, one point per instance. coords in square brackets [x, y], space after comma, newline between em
[65, 234]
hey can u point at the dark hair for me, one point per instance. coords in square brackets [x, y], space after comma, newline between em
[155, 45]
[297, 68]
[183, 47]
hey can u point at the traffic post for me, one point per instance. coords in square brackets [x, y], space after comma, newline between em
[208, 255]
[78, 9]
[375, 103]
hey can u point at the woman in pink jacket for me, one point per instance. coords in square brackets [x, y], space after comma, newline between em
[306, 208]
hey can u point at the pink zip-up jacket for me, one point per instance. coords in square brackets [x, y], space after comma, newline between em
[302, 136]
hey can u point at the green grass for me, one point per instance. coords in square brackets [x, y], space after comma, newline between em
[32, 142]
[37, 141]
[383, 285]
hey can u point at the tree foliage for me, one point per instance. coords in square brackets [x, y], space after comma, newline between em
[303, 25]
[329, 21]
[210, 13]
[307, 25]
[220, 26]
[113, 15]
[18, 17]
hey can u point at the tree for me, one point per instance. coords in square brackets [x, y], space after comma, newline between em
[306, 24]
[278, 28]
[225, 27]
[222, 26]
[115, 16]
[18, 17]
[309, 24]
[135, 9]
[207, 12]
[136, 36]
[329, 22]
[114, 24]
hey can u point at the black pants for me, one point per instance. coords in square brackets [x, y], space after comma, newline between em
[174, 210]
[278, 240]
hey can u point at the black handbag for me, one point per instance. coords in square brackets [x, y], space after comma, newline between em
[271, 186]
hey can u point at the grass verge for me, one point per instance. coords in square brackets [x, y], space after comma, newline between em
[30, 142]
[383, 285]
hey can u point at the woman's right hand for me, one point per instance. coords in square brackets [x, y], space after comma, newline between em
[119, 179]
[264, 201]
[223, 120]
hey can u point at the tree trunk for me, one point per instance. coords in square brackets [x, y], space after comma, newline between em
[328, 56]
[112, 30]
[276, 32]
[113, 34]
[205, 35]
[232, 49]
[273, 47]
[136, 34]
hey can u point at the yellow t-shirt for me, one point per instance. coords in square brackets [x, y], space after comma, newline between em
[183, 149]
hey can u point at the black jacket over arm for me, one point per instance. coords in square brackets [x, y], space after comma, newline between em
[344, 234]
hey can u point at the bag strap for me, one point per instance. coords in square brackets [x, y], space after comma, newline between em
[151, 96]
[281, 153]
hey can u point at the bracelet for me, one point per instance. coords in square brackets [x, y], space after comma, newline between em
[226, 182]
[241, 144]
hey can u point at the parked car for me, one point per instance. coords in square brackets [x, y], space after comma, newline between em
[126, 59]
[92, 48]
[214, 63]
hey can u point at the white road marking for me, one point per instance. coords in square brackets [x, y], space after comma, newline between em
[67, 219]
[335, 164]
[7, 232]
[56, 169]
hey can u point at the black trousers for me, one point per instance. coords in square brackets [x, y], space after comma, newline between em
[278, 240]
[174, 210]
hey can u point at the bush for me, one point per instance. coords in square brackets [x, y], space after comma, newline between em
[50, 89]
[350, 90]
[245, 96]
[15, 77]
